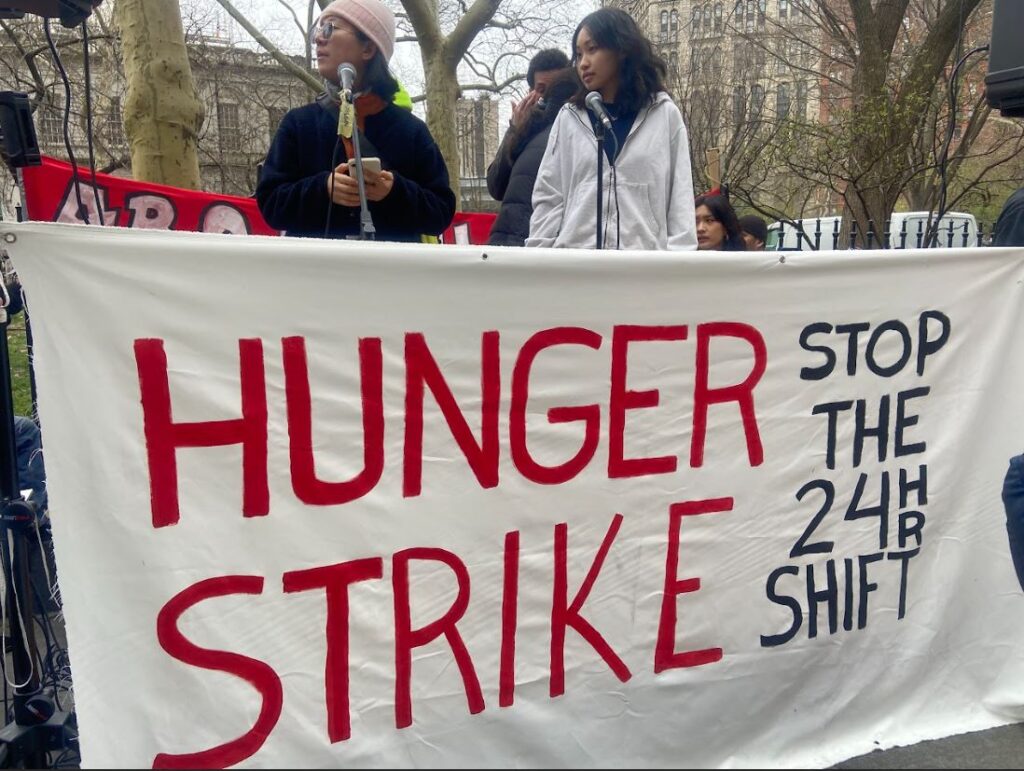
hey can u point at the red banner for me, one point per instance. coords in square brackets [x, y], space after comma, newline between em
[54, 194]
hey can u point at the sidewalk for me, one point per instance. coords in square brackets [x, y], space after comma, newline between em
[995, 748]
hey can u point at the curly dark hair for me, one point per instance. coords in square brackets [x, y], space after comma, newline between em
[722, 211]
[643, 72]
[545, 61]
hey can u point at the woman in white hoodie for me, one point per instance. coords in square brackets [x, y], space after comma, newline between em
[647, 186]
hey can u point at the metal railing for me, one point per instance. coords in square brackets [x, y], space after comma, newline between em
[826, 233]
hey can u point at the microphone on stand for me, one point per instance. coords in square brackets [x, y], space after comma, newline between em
[596, 106]
[347, 127]
[346, 77]
[346, 109]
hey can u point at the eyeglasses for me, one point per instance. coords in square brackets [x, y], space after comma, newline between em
[322, 31]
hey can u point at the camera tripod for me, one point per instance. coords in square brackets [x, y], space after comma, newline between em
[37, 727]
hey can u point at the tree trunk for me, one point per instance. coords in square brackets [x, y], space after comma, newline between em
[162, 112]
[442, 94]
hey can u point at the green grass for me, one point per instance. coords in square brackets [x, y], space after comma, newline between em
[19, 367]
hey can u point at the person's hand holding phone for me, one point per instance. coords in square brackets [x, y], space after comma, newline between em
[343, 188]
[378, 182]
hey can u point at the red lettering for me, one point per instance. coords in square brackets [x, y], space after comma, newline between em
[589, 414]
[164, 436]
[622, 399]
[422, 369]
[336, 579]
[742, 393]
[407, 638]
[257, 673]
[509, 617]
[564, 614]
[308, 488]
[665, 656]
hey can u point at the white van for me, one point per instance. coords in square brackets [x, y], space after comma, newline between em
[907, 230]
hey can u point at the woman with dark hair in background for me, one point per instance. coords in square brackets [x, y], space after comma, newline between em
[647, 194]
[718, 228]
[307, 188]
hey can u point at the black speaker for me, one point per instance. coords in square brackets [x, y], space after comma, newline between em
[1004, 84]
[70, 12]
[18, 145]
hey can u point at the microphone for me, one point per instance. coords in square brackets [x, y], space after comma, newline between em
[596, 106]
[346, 77]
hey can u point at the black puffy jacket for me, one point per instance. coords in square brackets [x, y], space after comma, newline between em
[511, 176]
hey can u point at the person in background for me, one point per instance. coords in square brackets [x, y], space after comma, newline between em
[718, 229]
[754, 231]
[306, 187]
[647, 186]
[28, 443]
[1009, 230]
[511, 176]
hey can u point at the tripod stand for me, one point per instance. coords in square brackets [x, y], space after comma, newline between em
[38, 728]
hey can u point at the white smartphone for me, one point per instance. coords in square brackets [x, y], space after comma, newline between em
[369, 164]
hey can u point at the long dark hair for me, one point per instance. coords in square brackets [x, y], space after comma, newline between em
[376, 75]
[722, 211]
[642, 73]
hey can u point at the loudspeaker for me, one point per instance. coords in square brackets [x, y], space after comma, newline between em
[17, 133]
[70, 12]
[1004, 84]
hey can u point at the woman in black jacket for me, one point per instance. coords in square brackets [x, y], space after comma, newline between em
[510, 180]
[306, 187]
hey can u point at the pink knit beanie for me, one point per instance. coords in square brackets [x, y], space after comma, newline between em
[371, 17]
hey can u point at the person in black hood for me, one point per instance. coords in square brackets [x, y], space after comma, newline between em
[511, 177]
[1009, 229]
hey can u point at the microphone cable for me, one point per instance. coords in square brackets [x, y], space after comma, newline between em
[82, 211]
[612, 192]
[330, 203]
[87, 68]
[613, 159]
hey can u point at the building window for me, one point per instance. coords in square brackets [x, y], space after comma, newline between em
[783, 9]
[274, 117]
[718, 17]
[716, 61]
[782, 101]
[781, 54]
[750, 16]
[51, 128]
[664, 24]
[113, 124]
[228, 126]
[801, 100]
[739, 63]
[696, 20]
[673, 62]
[673, 24]
[707, 18]
[695, 62]
[739, 105]
[756, 99]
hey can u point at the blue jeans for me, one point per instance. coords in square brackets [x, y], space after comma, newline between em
[1013, 501]
[31, 472]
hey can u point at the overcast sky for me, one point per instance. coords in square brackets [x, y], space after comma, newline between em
[275, 21]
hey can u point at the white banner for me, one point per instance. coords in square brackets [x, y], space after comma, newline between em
[337, 504]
